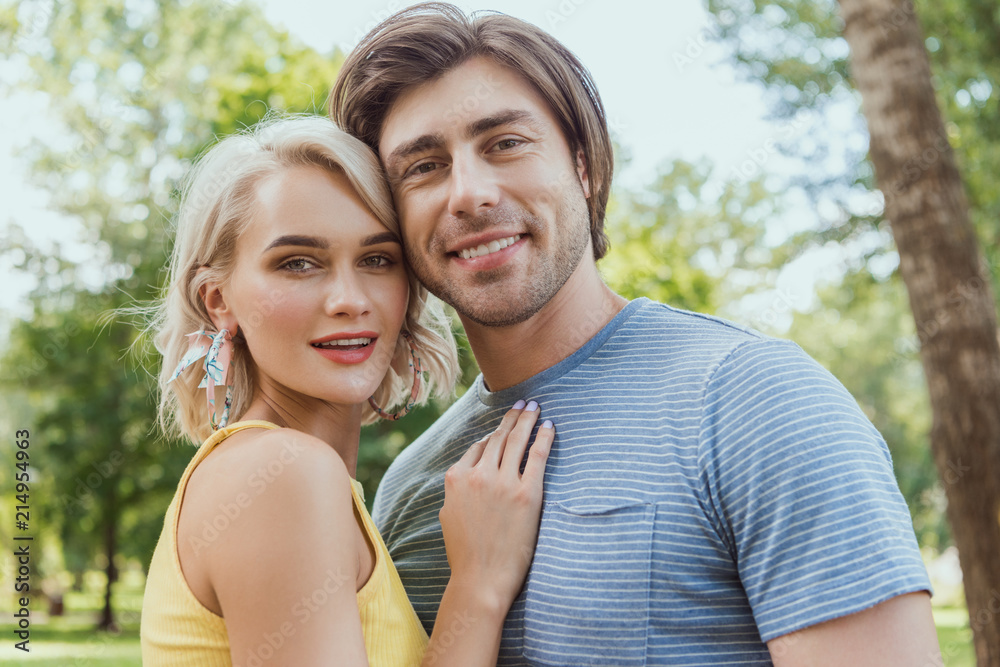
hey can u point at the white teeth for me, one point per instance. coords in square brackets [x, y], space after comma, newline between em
[488, 248]
[345, 342]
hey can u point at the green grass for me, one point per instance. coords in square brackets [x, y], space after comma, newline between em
[955, 637]
[70, 641]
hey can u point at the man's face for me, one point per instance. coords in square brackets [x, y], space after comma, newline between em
[491, 202]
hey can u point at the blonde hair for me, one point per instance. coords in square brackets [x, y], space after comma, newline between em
[217, 204]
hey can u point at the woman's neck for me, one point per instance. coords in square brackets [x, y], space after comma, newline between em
[337, 425]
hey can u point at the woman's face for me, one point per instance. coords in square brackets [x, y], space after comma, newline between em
[319, 290]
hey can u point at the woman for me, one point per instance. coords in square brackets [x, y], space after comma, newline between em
[288, 278]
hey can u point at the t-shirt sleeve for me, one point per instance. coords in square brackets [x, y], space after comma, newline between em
[801, 489]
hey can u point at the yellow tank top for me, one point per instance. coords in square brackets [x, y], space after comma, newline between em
[178, 631]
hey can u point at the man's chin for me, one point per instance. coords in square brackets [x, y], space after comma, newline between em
[495, 319]
[500, 308]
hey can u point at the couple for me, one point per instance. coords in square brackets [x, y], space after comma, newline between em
[711, 496]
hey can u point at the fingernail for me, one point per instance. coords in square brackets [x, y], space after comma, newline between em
[518, 405]
[547, 424]
[532, 406]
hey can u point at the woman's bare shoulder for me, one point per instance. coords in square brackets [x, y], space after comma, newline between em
[256, 462]
[268, 497]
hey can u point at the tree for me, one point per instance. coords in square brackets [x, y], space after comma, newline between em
[147, 90]
[950, 294]
[797, 49]
[689, 240]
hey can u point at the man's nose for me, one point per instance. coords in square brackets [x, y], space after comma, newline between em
[474, 188]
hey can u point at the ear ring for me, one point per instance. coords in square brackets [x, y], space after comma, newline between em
[414, 392]
[217, 349]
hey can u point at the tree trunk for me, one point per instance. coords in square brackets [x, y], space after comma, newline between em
[107, 621]
[949, 289]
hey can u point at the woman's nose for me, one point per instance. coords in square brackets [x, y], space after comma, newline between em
[347, 296]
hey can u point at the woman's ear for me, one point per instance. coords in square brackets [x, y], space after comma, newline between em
[214, 298]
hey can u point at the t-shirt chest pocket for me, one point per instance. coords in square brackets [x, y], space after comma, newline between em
[587, 595]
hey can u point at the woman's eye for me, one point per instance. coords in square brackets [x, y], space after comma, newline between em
[376, 261]
[297, 265]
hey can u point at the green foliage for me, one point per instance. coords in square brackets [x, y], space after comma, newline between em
[796, 50]
[863, 330]
[689, 241]
[149, 88]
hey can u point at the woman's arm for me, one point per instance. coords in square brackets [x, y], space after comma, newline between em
[490, 522]
[285, 568]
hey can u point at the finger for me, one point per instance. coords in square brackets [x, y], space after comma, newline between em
[473, 453]
[518, 439]
[495, 447]
[538, 455]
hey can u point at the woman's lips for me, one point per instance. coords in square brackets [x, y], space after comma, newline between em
[347, 354]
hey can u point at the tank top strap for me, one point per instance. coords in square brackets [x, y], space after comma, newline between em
[213, 440]
[376, 581]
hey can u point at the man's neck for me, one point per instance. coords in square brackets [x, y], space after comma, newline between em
[510, 355]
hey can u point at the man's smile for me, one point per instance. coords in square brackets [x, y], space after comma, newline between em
[488, 248]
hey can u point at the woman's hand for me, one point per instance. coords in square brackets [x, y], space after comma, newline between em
[491, 510]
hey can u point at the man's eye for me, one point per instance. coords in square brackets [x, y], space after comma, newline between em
[422, 168]
[504, 144]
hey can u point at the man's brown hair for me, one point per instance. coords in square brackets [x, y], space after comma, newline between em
[421, 43]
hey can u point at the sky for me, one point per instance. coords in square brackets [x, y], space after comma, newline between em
[666, 88]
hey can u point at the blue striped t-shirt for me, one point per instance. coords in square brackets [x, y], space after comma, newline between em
[709, 489]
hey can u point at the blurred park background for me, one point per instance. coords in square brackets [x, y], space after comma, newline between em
[744, 190]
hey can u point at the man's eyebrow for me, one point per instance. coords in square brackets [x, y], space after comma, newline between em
[381, 237]
[477, 127]
[306, 241]
[421, 143]
[472, 130]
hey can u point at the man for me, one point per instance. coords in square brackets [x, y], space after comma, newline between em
[713, 496]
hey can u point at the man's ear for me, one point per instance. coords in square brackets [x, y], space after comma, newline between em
[214, 298]
[581, 172]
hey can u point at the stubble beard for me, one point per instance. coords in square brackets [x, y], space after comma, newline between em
[497, 302]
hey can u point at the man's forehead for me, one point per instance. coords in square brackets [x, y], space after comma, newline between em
[472, 92]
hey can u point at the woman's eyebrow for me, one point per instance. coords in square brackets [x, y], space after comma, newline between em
[322, 244]
[381, 237]
[307, 241]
